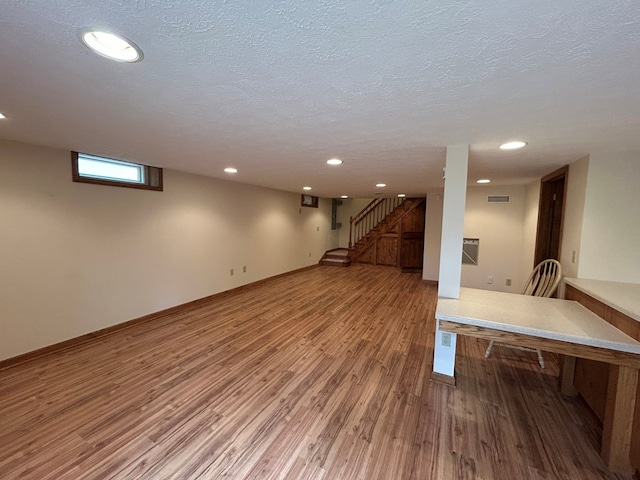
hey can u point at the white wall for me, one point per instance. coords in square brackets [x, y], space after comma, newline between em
[611, 230]
[350, 208]
[76, 257]
[530, 227]
[432, 236]
[500, 228]
[573, 216]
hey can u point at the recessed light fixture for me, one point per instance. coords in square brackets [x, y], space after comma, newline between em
[2, 116]
[483, 180]
[381, 185]
[231, 170]
[512, 145]
[344, 196]
[306, 188]
[334, 161]
[111, 45]
[401, 195]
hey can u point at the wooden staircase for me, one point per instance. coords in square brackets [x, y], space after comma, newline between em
[386, 232]
[338, 257]
[396, 240]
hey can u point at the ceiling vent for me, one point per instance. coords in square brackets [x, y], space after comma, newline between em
[498, 199]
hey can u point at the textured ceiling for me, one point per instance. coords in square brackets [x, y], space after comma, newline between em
[277, 88]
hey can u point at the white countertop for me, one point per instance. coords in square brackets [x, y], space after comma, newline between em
[549, 318]
[624, 297]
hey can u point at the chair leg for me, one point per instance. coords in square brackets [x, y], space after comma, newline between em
[489, 348]
[540, 359]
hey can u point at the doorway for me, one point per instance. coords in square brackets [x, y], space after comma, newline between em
[551, 215]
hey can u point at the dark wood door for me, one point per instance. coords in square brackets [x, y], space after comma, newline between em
[550, 216]
[412, 240]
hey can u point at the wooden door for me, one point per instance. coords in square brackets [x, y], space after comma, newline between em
[412, 239]
[551, 215]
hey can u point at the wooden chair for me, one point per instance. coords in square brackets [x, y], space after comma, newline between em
[542, 282]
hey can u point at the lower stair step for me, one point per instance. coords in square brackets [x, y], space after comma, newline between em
[338, 257]
[333, 262]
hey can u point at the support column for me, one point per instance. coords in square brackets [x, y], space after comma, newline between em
[455, 195]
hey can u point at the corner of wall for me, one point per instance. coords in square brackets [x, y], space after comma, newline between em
[573, 216]
[432, 235]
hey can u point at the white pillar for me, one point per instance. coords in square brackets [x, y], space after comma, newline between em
[455, 194]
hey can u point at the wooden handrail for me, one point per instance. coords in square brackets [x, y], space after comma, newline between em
[370, 216]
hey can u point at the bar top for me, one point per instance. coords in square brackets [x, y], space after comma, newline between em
[550, 318]
[624, 297]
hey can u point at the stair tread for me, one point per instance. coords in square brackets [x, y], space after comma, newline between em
[336, 263]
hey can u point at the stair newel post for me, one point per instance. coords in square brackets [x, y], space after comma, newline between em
[350, 230]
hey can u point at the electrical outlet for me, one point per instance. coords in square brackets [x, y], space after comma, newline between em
[573, 257]
[508, 282]
[317, 229]
[244, 269]
[446, 339]
[490, 279]
[309, 254]
[231, 272]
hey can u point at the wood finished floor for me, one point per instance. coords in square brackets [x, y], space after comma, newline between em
[321, 375]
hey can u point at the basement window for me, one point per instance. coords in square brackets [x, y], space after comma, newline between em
[108, 171]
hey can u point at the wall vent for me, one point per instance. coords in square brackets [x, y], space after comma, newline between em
[470, 247]
[498, 199]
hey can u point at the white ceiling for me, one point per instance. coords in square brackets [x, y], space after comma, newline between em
[275, 88]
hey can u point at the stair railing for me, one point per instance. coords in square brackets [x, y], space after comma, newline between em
[370, 216]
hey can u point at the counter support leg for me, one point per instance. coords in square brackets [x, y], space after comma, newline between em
[567, 372]
[619, 410]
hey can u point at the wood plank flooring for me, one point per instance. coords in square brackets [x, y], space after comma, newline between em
[320, 375]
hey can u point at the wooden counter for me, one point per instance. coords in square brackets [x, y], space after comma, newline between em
[560, 326]
[618, 304]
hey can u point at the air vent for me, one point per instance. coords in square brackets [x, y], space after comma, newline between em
[470, 247]
[498, 199]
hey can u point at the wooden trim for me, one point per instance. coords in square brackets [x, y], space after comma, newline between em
[562, 171]
[443, 379]
[557, 346]
[72, 342]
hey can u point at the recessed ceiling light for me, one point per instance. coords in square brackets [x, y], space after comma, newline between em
[344, 196]
[111, 45]
[306, 188]
[2, 116]
[231, 170]
[483, 180]
[334, 161]
[512, 145]
[381, 185]
[401, 195]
